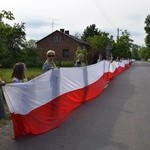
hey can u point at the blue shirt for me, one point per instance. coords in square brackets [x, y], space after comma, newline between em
[47, 66]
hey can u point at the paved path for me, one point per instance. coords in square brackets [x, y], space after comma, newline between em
[118, 119]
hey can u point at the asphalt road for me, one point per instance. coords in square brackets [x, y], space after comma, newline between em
[118, 119]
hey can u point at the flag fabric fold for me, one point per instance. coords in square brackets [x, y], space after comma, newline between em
[43, 103]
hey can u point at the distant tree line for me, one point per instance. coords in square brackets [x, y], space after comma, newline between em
[144, 51]
[106, 45]
[14, 47]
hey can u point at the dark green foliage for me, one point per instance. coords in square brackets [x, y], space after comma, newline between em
[89, 32]
[30, 54]
[106, 45]
[65, 63]
[11, 40]
[13, 45]
[135, 52]
[123, 46]
[147, 30]
[145, 53]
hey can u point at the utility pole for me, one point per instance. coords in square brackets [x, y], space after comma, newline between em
[118, 30]
[117, 33]
[52, 24]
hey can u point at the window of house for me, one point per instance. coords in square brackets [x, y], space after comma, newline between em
[66, 53]
[57, 39]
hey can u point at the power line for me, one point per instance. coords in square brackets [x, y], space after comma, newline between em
[103, 11]
[107, 14]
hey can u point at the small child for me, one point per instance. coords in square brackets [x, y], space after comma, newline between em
[18, 74]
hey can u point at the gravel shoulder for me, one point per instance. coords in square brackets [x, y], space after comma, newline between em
[6, 129]
[6, 135]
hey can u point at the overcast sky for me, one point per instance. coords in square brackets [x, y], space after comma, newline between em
[42, 17]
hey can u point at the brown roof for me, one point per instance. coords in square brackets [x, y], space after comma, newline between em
[68, 35]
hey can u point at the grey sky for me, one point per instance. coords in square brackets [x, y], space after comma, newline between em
[76, 15]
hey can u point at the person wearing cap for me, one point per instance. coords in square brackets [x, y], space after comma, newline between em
[80, 61]
[49, 63]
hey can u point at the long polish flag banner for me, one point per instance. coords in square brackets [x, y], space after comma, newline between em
[43, 103]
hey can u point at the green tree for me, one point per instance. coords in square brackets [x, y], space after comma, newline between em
[123, 46]
[135, 52]
[145, 53]
[5, 29]
[89, 32]
[11, 39]
[99, 41]
[30, 44]
[147, 30]
[15, 40]
[31, 54]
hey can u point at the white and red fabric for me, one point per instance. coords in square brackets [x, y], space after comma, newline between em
[43, 103]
